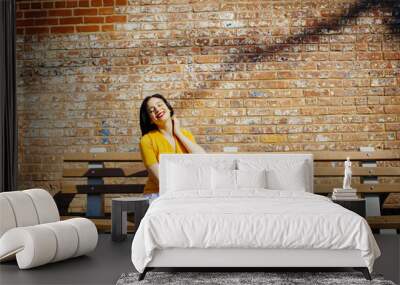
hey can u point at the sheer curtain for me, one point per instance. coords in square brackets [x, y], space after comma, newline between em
[8, 121]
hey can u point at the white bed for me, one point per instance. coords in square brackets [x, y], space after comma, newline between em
[203, 219]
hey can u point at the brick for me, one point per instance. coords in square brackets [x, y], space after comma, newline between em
[37, 30]
[108, 2]
[48, 5]
[273, 138]
[87, 29]
[36, 5]
[93, 20]
[71, 21]
[63, 30]
[60, 4]
[316, 93]
[60, 13]
[121, 2]
[106, 11]
[96, 3]
[395, 109]
[286, 129]
[391, 55]
[264, 75]
[24, 6]
[84, 12]
[71, 3]
[35, 14]
[115, 19]
[46, 22]
[84, 3]
[369, 56]
[207, 58]
[286, 75]
[107, 28]
[383, 82]
[24, 23]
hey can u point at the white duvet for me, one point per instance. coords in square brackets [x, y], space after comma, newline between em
[250, 218]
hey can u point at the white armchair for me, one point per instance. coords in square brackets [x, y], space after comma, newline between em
[31, 230]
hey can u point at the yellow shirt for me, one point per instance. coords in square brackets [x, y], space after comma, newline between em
[152, 145]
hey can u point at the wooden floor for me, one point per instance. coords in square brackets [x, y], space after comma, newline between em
[111, 259]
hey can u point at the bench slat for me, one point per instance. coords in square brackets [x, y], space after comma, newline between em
[361, 188]
[102, 156]
[104, 189]
[384, 222]
[358, 171]
[135, 171]
[355, 155]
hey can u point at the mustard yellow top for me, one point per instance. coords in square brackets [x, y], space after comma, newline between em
[152, 145]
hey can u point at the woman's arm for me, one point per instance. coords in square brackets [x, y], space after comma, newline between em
[153, 169]
[191, 147]
[149, 156]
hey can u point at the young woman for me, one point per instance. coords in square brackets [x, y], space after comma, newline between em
[161, 133]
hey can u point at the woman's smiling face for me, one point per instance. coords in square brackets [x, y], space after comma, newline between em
[158, 111]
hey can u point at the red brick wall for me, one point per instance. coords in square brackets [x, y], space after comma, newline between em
[70, 16]
[263, 76]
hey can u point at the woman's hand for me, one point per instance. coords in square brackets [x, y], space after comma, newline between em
[176, 125]
[191, 147]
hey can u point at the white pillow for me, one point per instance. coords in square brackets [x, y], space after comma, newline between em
[283, 174]
[229, 179]
[224, 179]
[295, 180]
[183, 177]
[251, 178]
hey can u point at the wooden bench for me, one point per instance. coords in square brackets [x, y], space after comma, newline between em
[99, 177]
[97, 172]
[376, 176]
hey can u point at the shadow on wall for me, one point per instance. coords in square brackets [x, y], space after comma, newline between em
[324, 27]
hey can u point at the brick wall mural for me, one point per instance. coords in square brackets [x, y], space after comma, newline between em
[259, 75]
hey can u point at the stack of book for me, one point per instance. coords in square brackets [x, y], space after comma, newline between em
[344, 194]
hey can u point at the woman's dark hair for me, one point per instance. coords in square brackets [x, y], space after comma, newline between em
[145, 122]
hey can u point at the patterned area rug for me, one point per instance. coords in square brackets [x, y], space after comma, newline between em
[241, 278]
